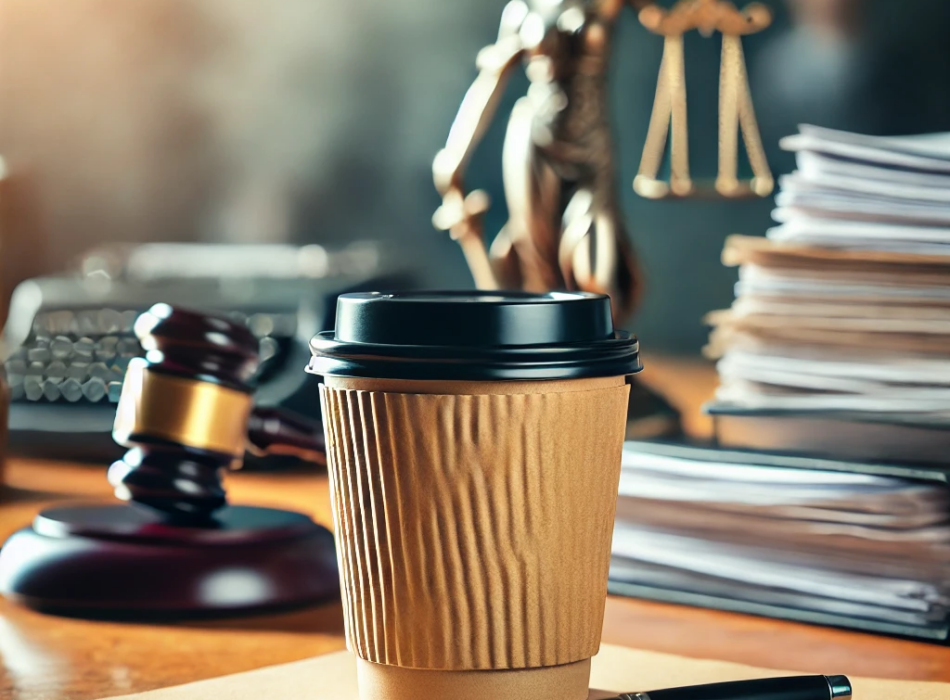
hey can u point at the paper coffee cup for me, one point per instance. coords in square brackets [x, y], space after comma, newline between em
[474, 484]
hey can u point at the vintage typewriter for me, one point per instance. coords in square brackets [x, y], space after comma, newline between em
[68, 339]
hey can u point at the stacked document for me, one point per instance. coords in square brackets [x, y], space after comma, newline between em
[840, 543]
[841, 324]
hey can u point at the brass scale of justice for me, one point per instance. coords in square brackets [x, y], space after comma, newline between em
[565, 228]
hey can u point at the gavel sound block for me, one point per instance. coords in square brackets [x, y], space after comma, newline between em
[186, 414]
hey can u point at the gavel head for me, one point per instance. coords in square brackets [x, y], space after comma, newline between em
[183, 411]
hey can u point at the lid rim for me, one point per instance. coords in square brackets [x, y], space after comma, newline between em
[618, 356]
[419, 372]
[324, 342]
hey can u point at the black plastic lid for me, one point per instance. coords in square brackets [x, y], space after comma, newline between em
[479, 336]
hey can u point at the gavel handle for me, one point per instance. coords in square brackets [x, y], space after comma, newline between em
[273, 431]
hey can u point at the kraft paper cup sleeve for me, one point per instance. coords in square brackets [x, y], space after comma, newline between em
[473, 529]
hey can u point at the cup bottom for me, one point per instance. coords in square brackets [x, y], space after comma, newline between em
[381, 682]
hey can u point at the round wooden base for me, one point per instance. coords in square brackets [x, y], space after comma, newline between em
[124, 561]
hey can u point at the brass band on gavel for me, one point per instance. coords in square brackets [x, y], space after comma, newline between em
[198, 414]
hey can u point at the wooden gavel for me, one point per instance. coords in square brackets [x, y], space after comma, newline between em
[186, 413]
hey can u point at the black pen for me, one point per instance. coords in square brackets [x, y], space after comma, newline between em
[791, 688]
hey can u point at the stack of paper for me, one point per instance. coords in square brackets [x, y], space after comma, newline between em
[830, 542]
[843, 310]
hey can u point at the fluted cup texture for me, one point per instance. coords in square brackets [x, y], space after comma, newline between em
[473, 519]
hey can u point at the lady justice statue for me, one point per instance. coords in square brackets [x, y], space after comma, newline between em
[565, 229]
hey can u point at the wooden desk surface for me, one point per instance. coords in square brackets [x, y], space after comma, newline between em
[49, 658]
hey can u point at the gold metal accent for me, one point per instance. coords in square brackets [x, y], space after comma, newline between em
[736, 112]
[190, 412]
